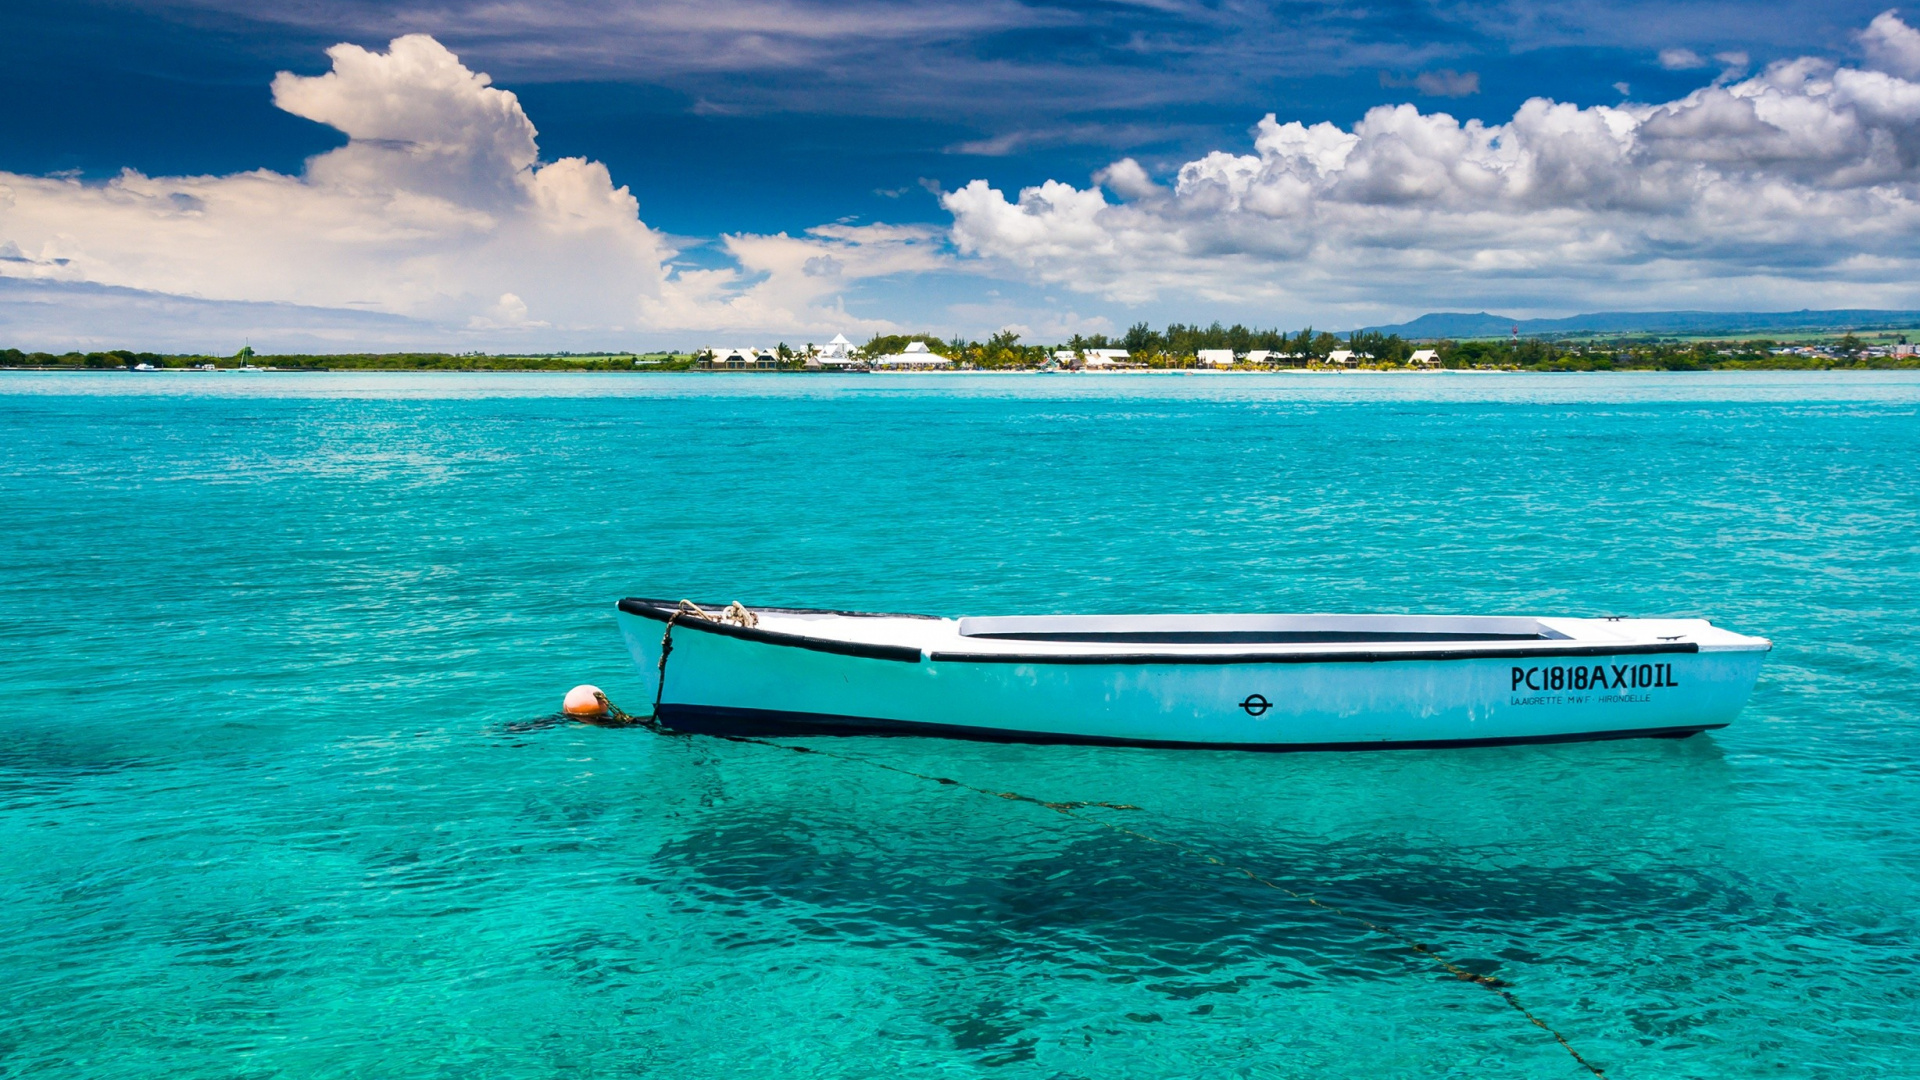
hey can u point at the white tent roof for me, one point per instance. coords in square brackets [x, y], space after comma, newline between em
[913, 358]
[839, 339]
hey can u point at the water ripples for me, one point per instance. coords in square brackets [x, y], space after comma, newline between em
[280, 795]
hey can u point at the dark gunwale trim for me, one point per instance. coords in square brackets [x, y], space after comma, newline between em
[723, 720]
[1371, 657]
[661, 612]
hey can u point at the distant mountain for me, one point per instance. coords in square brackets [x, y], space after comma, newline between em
[1453, 324]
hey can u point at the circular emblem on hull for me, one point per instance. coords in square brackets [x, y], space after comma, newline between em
[1255, 705]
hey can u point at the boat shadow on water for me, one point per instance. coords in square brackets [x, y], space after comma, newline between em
[770, 851]
[1091, 902]
[1073, 887]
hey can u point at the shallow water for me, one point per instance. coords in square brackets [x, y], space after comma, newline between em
[274, 800]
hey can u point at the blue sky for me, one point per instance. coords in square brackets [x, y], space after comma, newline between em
[770, 121]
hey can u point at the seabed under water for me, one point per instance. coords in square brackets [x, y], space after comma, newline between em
[277, 797]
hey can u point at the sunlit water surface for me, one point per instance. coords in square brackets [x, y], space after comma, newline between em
[273, 801]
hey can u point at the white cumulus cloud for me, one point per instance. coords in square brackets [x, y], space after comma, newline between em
[788, 283]
[1128, 179]
[437, 209]
[1799, 185]
[1892, 46]
[1681, 59]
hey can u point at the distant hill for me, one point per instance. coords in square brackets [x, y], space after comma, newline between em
[1453, 324]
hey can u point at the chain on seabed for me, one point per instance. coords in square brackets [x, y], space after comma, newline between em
[616, 718]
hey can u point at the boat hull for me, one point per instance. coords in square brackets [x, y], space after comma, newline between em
[724, 681]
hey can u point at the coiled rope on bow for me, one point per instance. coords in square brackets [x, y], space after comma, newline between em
[735, 613]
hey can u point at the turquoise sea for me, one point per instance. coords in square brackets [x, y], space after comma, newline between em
[281, 795]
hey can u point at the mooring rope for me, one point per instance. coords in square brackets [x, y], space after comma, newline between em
[1071, 808]
[687, 607]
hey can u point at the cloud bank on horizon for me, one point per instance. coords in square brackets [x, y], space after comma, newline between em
[438, 209]
[1797, 186]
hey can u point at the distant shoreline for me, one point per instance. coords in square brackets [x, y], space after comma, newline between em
[1837, 366]
[1141, 350]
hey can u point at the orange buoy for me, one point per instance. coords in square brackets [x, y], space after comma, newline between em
[584, 700]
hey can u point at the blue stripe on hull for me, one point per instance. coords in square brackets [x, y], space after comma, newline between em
[722, 720]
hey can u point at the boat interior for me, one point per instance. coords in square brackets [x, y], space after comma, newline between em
[1240, 635]
[1255, 629]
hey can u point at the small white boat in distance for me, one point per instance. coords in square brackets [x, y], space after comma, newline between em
[1254, 682]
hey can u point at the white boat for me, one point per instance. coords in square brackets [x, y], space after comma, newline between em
[1256, 682]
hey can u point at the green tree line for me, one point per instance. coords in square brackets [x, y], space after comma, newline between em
[1176, 346]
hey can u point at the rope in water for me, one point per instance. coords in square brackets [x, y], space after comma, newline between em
[1070, 808]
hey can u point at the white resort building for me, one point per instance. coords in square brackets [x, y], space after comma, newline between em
[1424, 358]
[837, 353]
[740, 357]
[1215, 357]
[916, 355]
[1100, 358]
